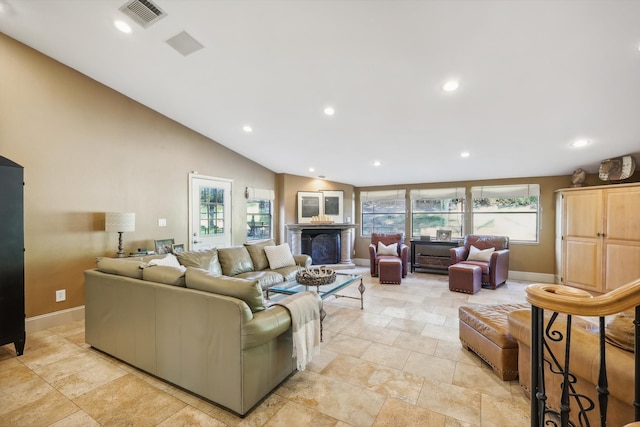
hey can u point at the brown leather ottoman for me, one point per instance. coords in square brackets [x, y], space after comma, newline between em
[390, 271]
[483, 330]
[465, 278]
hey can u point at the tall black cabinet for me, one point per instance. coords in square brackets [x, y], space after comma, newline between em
[12, 312]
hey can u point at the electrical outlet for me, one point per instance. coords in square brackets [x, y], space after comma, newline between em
[162, 222]
[61, 295]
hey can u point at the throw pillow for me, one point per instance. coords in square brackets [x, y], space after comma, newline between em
[476, 254]
[121, 267]
[164, 274]
[257, 254]
[392, 249]
[248, 291]
[169, 260]
[620, 332]
[279, 256]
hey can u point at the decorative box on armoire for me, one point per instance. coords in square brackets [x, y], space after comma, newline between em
[12, 311]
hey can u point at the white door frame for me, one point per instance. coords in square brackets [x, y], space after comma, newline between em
[193, 228]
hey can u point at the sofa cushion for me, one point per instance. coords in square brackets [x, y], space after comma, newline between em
[206, 259]
[279, 256]
[620, 331]
[248, 291]
[129, 267]
[476, 254]
[257, 254]
[265, 278]
[164, 274]
[235, 260]
[289, 272]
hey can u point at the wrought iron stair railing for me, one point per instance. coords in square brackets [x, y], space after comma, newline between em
[561, 299]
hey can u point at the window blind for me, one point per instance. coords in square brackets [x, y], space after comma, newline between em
[372, 196]
[260, 194]
[504, 191]
[438, 193]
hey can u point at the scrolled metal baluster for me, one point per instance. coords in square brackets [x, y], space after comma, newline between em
[564, 400]
[603, 384]
[636, 401]
[538, 397]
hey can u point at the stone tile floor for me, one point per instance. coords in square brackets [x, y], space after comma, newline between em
[398, 362]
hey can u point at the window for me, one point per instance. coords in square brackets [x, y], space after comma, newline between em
[383, 211]
[211, 211]
[259, 214]
[437, 209]
[507, 210]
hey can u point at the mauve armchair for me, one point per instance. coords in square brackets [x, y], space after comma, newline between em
[496, 269]
[388, 239]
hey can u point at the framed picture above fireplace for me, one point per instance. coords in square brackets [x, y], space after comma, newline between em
[310, 204]
[332, 205]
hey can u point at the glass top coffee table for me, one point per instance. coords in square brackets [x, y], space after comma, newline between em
[342, 281]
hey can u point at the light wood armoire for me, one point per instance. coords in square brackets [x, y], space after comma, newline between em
[598, 236]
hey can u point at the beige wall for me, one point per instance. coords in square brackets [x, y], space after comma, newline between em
[288, 187]
[86, 150]
[533, 258]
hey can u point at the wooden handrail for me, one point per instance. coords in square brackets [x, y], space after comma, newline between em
[572, 301]
[568, 300]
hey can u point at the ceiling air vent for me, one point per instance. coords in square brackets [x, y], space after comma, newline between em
[143, 12]
[184, 43]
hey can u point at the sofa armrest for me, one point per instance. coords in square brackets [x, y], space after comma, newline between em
[265, 326]
[269, 324]
[372, 259]
[404, 256]
[303, 260]
[499, 266]
[458, 254]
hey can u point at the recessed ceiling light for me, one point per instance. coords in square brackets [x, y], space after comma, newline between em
[329, 111]
[247, 128]
[377, 163]
[122, 26]
[311, 170]
[465, 154]
[450, 86]
[580, 143]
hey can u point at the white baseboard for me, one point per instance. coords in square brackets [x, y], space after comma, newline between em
[532, 277]
[360, 262]
[57, 318]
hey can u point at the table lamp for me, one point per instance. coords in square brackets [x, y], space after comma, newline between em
[120, 222]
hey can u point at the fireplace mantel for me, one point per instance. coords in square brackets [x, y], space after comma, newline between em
[294, 238]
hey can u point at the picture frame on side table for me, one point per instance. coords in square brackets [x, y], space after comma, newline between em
[309, 205]
[176, 249]
[164, 246]
[443, 235]
[333, 205]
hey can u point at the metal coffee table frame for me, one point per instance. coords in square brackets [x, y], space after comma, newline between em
[342, 281]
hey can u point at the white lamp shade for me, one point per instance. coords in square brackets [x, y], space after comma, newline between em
[116, 221]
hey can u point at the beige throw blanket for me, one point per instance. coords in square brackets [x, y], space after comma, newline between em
[305, 322]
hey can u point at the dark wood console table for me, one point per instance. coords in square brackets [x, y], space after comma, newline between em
[431, 255]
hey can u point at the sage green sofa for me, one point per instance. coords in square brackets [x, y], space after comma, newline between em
[208, 333]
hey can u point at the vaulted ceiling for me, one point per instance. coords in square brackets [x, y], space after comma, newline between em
[533, 77]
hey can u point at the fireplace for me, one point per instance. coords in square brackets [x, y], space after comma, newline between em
[322, 245]
[326, 244]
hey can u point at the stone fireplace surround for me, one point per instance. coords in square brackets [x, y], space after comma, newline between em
[294, 238]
